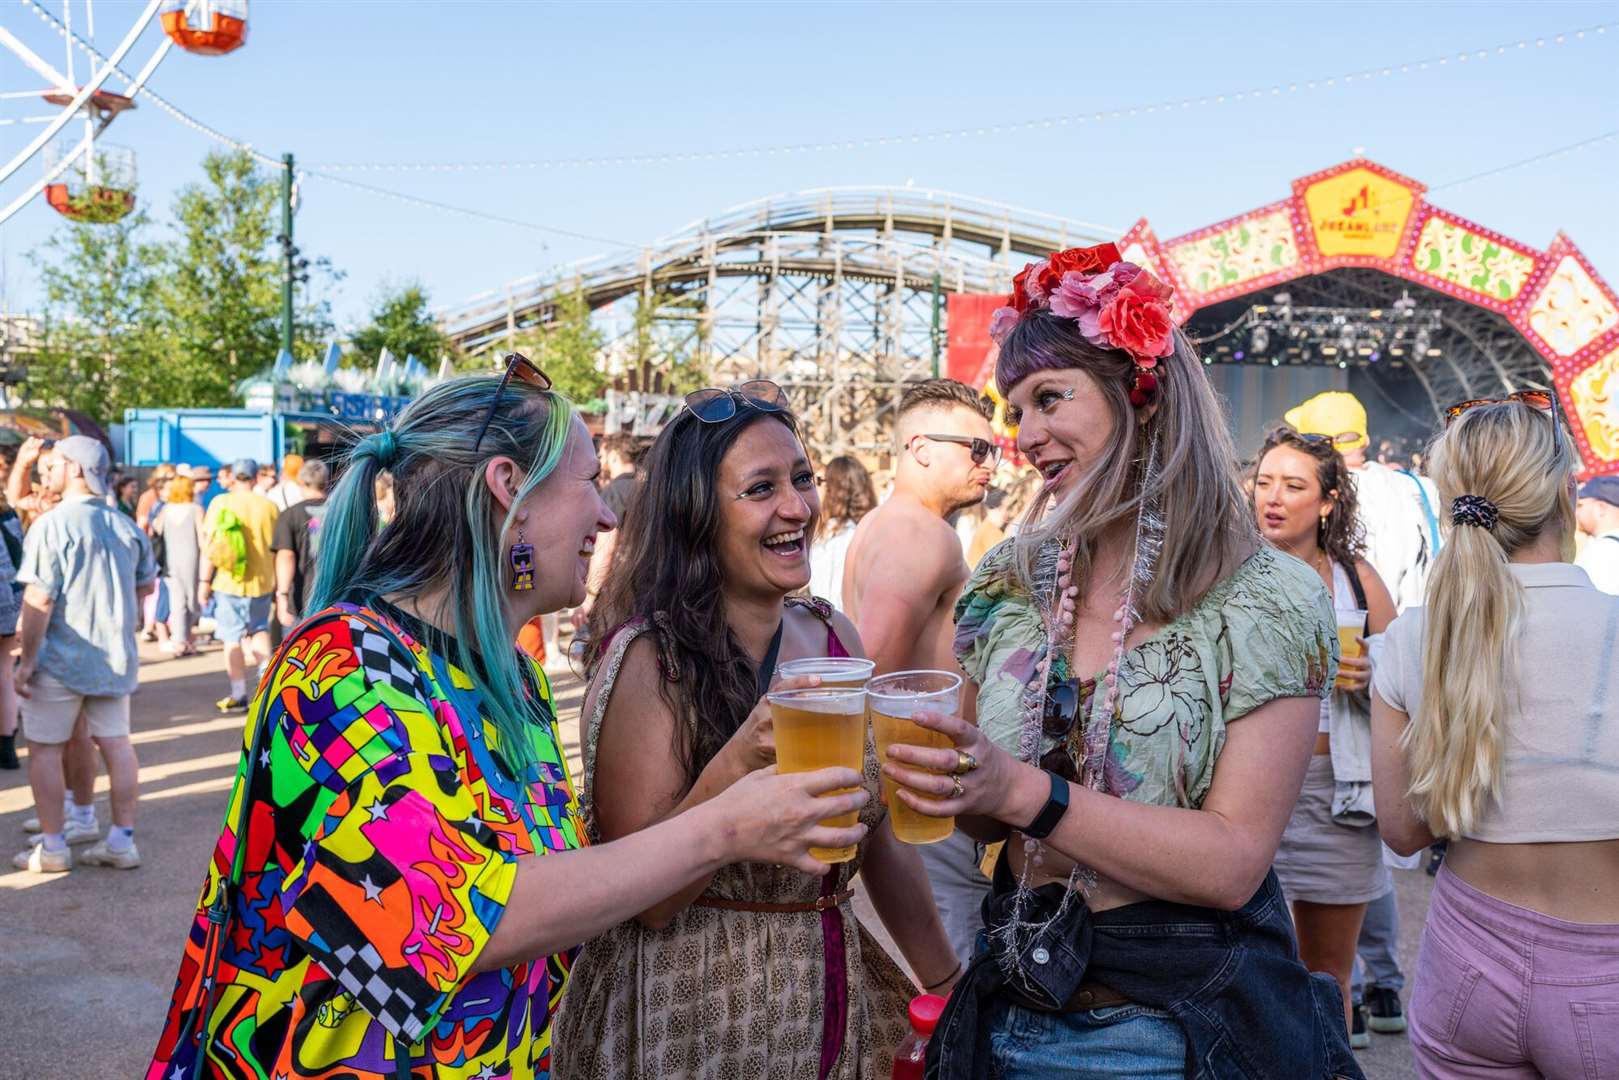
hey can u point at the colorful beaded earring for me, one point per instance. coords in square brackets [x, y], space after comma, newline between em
[522, 563]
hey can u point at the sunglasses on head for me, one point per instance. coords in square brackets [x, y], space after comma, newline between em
[1542, 400]
[981, 449]
[1344, 439]
[522, 369]
[715, 405]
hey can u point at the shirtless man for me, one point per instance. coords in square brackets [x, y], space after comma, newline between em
[901, 578]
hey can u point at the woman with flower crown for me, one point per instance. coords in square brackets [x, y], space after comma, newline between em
[1148, 677]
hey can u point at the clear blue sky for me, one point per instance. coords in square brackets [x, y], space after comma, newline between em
[337, 81]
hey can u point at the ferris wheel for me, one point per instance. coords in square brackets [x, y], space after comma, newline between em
[81, 176]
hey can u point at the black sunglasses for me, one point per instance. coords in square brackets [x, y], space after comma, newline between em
[715, 405]
[522, 369]
[982, 449]
[1542, 400]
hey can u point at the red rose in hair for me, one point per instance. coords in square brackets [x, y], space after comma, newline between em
[1020, 290]
[1091, 260]
[1137, 320]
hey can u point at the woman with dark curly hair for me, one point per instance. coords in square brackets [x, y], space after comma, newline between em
[759, 970]
[846, 497]
[1330, 861]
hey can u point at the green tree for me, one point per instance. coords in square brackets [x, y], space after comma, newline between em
[670, 345]
[222, 295]
[104, 347]
[401, 322]
[568, 347]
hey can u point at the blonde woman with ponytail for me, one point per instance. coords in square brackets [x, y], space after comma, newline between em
[1495, 725]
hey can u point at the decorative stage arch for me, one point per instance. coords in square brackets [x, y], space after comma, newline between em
[1361, 214]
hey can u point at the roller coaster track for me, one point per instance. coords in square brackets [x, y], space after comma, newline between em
[835, 294]
[855, 231]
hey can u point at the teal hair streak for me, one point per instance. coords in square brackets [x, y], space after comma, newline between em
[441, 534]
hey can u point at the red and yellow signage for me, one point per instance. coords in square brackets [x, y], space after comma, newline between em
[1359, 211]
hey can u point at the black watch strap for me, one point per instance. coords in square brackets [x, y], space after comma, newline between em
[1051, 813]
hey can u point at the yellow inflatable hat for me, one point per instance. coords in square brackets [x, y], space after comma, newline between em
[1336, 414]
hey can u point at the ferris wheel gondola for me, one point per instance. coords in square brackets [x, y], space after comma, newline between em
[206, 27]
[83, 178]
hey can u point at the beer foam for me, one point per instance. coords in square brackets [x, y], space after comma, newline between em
[829, 699]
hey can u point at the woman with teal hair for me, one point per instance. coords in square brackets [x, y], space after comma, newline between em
[398, 889]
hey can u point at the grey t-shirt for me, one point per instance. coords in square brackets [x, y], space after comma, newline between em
[92, 560]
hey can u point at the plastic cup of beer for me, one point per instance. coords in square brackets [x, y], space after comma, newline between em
[818, 728]
[893, 700]
[1351, 628]
[846, 671]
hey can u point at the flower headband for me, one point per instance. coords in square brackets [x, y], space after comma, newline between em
[1115, 304]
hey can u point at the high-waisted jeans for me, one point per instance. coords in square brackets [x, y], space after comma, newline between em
[1507, 993]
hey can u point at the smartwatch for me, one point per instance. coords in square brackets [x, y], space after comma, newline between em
[1051, 813]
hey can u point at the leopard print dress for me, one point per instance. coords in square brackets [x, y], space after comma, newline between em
[732, 995]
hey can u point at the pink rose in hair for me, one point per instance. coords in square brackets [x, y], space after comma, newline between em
[1035, 281]
[1001, 323]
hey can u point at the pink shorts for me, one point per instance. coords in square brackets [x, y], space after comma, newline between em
[1507, 993]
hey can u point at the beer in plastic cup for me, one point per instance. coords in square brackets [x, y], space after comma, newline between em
[893, 699]
[817, 728]
[847, 671]
[1351, 628]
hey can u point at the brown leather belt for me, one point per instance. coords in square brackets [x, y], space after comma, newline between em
[820, 903]
[1093, 995]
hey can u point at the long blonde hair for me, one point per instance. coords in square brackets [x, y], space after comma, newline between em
[1208, 530]
[1513, 456]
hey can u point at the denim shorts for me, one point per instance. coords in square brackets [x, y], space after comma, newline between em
[1123, 1042]
[237, 617]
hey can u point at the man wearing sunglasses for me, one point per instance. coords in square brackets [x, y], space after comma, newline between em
[901, 577]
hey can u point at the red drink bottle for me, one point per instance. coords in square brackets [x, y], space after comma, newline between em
[911, 1056]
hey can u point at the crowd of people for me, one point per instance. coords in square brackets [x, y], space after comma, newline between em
[102, 560]
[1206, 707]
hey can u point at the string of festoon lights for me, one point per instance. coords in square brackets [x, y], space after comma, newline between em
[326, 172]
[1275, 90]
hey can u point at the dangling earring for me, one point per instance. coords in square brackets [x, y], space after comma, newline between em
[522, 563]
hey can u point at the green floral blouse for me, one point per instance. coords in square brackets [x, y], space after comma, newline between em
[1265, 632]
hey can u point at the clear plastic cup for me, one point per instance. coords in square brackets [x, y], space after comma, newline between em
[848, 671]
[893, 699]
[818, 728]
[1351, 628]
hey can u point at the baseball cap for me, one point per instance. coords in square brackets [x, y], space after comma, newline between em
[90, 456]
[1334, 413]
[1601, 488]
[244, 468]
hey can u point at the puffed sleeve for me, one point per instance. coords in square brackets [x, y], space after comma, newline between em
[1000, 643]
[1279, 637]
[399, 884]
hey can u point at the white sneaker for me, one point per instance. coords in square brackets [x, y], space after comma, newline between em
[74, 832]
[102, 855]
[39, 861]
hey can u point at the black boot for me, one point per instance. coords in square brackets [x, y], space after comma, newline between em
[8, 752]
